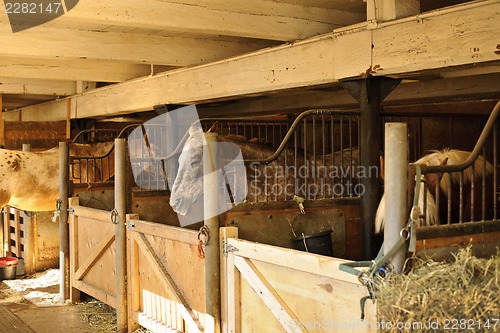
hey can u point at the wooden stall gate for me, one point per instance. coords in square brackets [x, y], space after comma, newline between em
[272, 289]
[166, 279]
[92, 254]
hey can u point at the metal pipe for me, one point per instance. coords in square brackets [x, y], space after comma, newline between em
[370, 98]
[63, 220]
[396, 189]
[120, 236]
[211, 212]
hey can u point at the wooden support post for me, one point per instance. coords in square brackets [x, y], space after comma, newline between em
[230, 309]
[120, 235]
[68, 119]
[212, 249]
[370, 93]
[63, 220]
[396, 186]
[386, 10]
[2, 124]
[73, 219]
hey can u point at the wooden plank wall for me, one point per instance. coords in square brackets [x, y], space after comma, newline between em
[41, 135]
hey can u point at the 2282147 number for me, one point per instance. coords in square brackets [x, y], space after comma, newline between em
[32, 8]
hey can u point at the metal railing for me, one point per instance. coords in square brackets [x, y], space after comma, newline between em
[468, 199]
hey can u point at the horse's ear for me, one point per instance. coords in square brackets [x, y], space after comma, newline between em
[214, 127]
[382, 167]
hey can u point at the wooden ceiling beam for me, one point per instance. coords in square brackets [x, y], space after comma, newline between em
[74, 70]
[260, 19]
[71, 44]
[36, 87]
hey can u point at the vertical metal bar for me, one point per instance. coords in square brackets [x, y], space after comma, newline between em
[314, 168]
[350, 157]
[461, 198]
[306, 171]
[296, 153]
[449, 194]
[63, 220]
[483, 187]
[120, 236]
[472, 191]
[332, 149]
[396, 189]
[285, 170]
[211, 212]
[323, 136]
[437, 199]
[341, 129]
[495, 173]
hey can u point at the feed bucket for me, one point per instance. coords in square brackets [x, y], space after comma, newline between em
[8, 266]
[320, 243]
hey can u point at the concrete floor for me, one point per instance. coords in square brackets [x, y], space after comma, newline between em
[18, 314]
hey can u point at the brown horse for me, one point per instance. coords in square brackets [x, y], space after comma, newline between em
[472, 176]
[30, 180]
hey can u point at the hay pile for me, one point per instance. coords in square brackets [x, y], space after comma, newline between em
[463, 296]
[101, 317]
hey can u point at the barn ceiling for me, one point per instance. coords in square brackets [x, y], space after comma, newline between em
[101, 42]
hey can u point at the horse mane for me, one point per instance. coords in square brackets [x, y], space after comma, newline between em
[455, 156]
[436, 157]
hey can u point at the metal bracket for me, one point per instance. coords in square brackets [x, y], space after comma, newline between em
[227, 248]
[130, 225]
[71, 211]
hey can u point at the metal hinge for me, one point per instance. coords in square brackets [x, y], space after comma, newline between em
[71, 211]
[226, 248]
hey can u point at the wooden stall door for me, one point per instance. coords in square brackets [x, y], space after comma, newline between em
[273, 289]
[166, 279]
[92, 254]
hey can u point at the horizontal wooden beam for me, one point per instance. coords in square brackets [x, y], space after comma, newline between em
[75, 70]
[36, 87]
[408, 92]
[443, 38]
[72, 44]
[253, 19]
[322, 60]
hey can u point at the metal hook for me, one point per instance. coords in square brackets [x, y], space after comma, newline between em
[114, 216]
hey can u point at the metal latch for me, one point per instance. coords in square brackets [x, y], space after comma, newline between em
[227, 248]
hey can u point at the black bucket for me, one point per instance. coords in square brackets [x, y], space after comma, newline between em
[320, 243]
[8, 266]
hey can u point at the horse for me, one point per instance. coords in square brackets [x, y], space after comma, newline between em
[292, 173]
[30, 180]
[472, 177]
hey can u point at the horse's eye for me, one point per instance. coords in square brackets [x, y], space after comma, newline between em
[195, 162]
